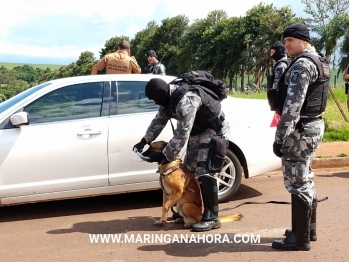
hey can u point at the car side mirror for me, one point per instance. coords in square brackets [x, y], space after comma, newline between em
[20, 118]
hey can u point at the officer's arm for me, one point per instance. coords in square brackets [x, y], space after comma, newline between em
[303, 74]
[278, 72]
[186, 112]
[161, 70]
[134, 65]
[157, 124]
[99, 66]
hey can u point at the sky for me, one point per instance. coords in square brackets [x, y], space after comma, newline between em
[58, 31]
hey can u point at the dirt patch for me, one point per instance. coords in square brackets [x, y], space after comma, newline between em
[326, 158]
[332, 149]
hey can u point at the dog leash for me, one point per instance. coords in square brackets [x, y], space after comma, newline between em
[268, 202]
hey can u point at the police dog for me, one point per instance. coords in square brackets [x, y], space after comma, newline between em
[180, 188]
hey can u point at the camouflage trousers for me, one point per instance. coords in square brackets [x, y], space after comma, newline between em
[197, 153]
[298, 154]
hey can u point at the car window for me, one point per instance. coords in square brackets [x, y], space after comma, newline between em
[16, 99]
[131, 98]
[67, 103]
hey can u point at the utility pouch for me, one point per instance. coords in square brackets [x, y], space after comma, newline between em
[217, 151]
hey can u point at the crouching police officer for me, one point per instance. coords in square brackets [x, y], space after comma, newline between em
[193, 126]
[303, 92]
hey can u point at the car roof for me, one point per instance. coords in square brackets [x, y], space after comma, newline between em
[112, 77]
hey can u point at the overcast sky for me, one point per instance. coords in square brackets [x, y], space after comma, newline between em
[57, 31]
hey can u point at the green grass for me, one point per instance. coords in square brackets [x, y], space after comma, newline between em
[337, 129]
[41, 66]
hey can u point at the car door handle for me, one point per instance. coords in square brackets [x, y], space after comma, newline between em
[90, 132]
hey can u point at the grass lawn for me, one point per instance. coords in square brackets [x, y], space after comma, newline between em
[41, 66]
[337, 129]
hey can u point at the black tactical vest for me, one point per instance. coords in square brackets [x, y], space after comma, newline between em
[317, 93]
[207, 116]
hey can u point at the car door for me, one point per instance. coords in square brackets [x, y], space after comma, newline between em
[63, 148]
[131, 114]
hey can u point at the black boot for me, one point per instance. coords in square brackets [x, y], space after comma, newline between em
[313, 236]
[298, 239]
[209, 191]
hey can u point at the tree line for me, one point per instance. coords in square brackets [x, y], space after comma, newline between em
[232, 48]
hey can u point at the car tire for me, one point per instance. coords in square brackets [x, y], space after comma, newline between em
[230, 174]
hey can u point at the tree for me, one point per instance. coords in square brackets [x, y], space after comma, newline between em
[142, 43]
[84, 64]
[111, 45]
[264, 26]
[329, 19]
[166, 40]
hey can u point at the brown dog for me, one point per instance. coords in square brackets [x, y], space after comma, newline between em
[180, 188]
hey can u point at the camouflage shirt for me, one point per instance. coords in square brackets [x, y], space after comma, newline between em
[185, 113]
[298, 78]
[278, 71]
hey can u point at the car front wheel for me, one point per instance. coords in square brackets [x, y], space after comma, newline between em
[229, 179]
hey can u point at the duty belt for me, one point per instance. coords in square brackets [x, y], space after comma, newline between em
[305, 121]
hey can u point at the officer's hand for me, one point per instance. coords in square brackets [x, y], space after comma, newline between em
[156, 157]
[139, 146]
[277, 149]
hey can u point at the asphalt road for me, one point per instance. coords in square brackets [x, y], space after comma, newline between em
[61, 230]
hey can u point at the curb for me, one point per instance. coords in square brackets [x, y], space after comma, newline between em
[341, 163]
[335, 162]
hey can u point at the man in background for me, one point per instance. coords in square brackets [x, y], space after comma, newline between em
[154, 66]
[119, 62]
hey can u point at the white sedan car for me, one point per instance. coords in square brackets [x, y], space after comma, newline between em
[73, 137]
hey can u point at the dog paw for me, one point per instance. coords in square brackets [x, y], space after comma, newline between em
[159, 223]
[179, 220]
[187, 225]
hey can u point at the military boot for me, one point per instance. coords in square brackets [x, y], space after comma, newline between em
[209, 191]
[299, 238]
[313, 236]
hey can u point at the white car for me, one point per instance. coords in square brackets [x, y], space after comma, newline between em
[73, 137]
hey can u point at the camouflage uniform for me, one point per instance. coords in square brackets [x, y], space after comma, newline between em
[299, 144]
[185, 115]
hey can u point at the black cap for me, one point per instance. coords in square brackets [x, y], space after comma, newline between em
[152, 53]
[280, 51]
[299, 31]
[158, 90]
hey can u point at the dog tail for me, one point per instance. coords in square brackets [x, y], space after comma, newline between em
[230, 217]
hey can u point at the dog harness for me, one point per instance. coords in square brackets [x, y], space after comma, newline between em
[167, 172]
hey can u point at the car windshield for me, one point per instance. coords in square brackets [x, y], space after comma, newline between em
[13, 100]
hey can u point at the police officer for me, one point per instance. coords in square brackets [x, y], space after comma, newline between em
[190, 114]
[154, 66]
[119, 62]
[279, 55]
[304, 89]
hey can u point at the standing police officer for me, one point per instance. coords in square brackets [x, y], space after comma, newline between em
[279, 54]
[304, 89]
[194, 127]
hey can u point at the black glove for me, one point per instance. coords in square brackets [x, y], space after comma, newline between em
[139, 146]
[277, 149]
[156, 157]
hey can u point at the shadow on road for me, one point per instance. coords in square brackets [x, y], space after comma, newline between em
[340, 174]
[89, 205]
[99, 204]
